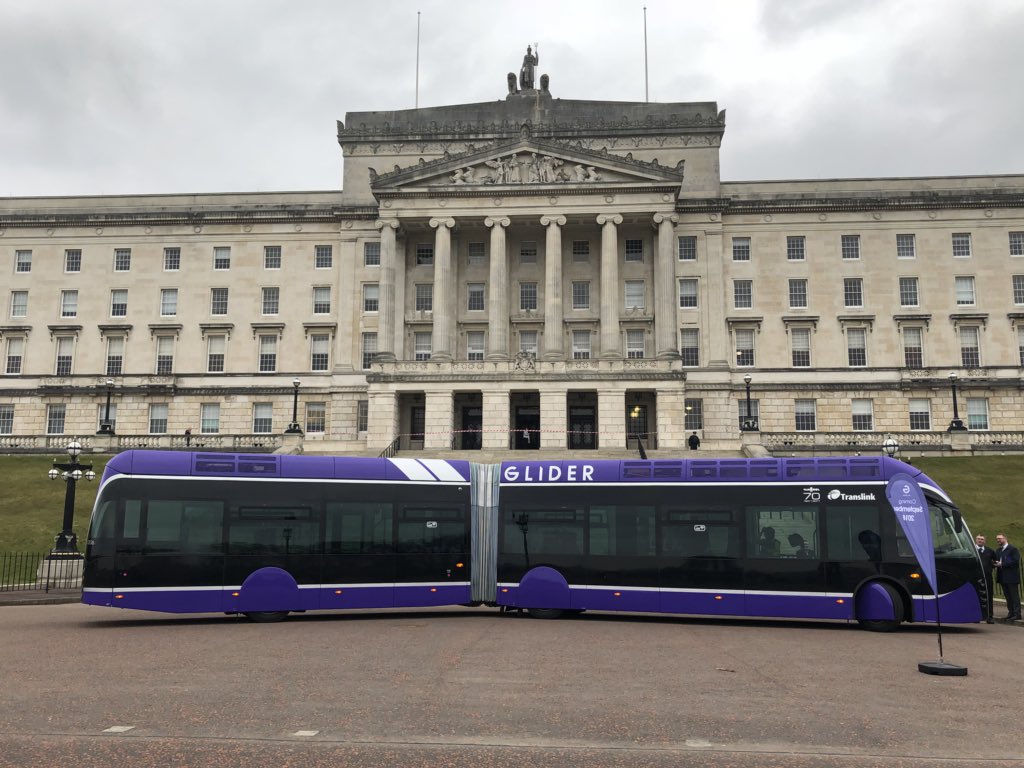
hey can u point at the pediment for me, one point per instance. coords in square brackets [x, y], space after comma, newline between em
[528, 162]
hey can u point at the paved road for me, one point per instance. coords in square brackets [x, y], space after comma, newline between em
[472, 687]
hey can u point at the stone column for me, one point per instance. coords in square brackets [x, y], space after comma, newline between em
[713, 301]
[611, 338]
[611, 418]
[438, 423]
[553, 349]
[386, 309]
[497, 414]
[497, 289]
[382, 426]
[666, 337]
[554, 419]
[444, 290]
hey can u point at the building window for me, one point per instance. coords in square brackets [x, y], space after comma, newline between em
[209, 418]
[323, 256]
[222, 258]
[102, 415]
[477, 254]
[687, 247]
[850, 246]
[913, 348]
[965, 291]
[23, 261]
[753, 416]
[970, 349]
[744, 347]
[635, 298]
[272, 257]
[581, 345]
[215, 349]
[853, 292]
[218, 301]
[580, 251]
[320, 352]
[65, 355]
[977, 413]
[528, 342]
[371, 297]
[6, 419]
[580, 294]
[168, 302]
[262, 418]
[528, 252]
[424, 254]
[115, 355]
[164, 355]
[908, 292]
[316, 417]
[635, 343]
[19, 303]
[158, 419]
[741, 249]
[371, 254]
[920, 414]
[475, 301]
[475, 345]
[1018, 289]
[122, 259]
[694, 410]
[55, 419]
[805, 416]
[423, 345]
[119, 302]
[801, 341]
[362, 415]
[795, 248]
[856, 347]
[688, 293]
[72, 261]
[527, 296]
[271, 304]
[862, 415]
[634, 250]
[172, 259]
[15, 354]
[322, 299]
[798, 294]
[268, 353]
[689, 346]
[961, 245]
[69, 303]
[369, 349]
[1017, 243]
[743, 293]
[424, 297]
[906, 247]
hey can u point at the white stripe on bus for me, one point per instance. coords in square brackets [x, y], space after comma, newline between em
[443, 470]
[412, 469]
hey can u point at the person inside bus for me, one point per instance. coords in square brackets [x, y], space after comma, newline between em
[872, 544]
[797, 542]
[769, 546]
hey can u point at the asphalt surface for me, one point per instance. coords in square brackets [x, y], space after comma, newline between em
[471, 687]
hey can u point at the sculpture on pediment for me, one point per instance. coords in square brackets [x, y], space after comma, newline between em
[530, 61]
[544, 82]
[512, 87]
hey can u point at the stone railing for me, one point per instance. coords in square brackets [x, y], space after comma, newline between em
[909, 442]
[529, 366]
[116, 443]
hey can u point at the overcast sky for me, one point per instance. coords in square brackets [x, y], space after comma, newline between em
[151, 96]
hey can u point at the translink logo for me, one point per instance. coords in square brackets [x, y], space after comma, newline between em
[836, 495]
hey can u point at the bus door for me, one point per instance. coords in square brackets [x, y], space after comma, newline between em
[785, 573]
[621, 567]
[856, 549]
[359, 554]
[699, 561]
[433, 554]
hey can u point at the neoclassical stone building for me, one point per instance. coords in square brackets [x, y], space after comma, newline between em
[521, 273]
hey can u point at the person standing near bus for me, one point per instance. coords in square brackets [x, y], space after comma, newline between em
[988, 562]
[1008, 575]
[693, 442]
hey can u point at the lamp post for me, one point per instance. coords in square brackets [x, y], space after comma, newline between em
[890, 447]
[749, 424]
[106, 427]
[70, 472]
[294, 428]
[956, 425]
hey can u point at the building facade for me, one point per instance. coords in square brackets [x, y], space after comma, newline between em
[531, 272]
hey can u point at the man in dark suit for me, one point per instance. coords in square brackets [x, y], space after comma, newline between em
[988, 562]
[1008, 575]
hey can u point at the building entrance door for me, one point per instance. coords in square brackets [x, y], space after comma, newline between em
[472, 423]
[636, 425]
[582, 427]
[526, 435]
[417, 422]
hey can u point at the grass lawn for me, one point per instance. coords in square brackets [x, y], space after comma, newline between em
[988, 489]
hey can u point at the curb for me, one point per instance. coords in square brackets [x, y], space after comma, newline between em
[40, 598]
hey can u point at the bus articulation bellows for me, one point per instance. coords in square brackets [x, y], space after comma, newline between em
[265, 535]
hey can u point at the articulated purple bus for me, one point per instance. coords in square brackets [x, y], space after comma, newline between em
[267, 535]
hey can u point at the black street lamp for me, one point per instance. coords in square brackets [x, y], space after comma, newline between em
[106, 427]
[294, 428]
[70, 472]
[956, 425]
[749, 423]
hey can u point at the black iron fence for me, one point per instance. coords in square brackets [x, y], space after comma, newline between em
[39, 571]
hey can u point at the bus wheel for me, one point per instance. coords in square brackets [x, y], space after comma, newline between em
[886, 625]
[266, 617]
[545, 613]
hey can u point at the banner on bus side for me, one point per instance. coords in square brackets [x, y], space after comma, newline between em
[911, 510]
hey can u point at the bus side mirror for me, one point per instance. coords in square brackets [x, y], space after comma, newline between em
[958, 521]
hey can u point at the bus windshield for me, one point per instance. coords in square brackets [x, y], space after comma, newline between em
[947, 541]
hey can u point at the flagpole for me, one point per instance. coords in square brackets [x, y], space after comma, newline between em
[646, 97]
[417, 59]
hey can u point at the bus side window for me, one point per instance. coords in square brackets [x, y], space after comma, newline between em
[854, 533]
[130, 540]
[782, 532]
[359, 528]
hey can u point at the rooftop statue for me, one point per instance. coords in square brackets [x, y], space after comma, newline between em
[530, 61]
